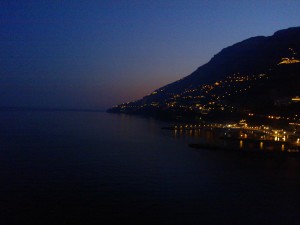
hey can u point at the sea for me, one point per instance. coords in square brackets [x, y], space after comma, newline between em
[82, 167]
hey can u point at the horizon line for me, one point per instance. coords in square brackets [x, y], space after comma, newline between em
[31, 108]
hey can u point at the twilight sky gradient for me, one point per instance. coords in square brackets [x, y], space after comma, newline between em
[95, 54]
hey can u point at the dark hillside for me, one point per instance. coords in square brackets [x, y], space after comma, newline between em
[260, 74]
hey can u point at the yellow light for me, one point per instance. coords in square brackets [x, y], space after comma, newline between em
[241, 143]
[261, 145]
[288, 61]
[296, 98]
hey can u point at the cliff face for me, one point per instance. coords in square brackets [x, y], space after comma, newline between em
[265, 68]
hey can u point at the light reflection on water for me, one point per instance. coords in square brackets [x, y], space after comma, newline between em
[215, 137]
[86, 167]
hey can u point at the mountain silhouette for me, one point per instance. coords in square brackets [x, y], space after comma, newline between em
[260, 74]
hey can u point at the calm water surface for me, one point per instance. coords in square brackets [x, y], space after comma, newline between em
[98, 168]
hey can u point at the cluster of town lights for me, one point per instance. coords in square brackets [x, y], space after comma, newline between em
[267, 133]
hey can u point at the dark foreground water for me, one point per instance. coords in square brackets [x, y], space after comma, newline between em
[97, 168]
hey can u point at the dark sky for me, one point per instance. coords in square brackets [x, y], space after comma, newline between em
[94, 54]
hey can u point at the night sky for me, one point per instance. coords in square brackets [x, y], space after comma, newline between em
[95, 54]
